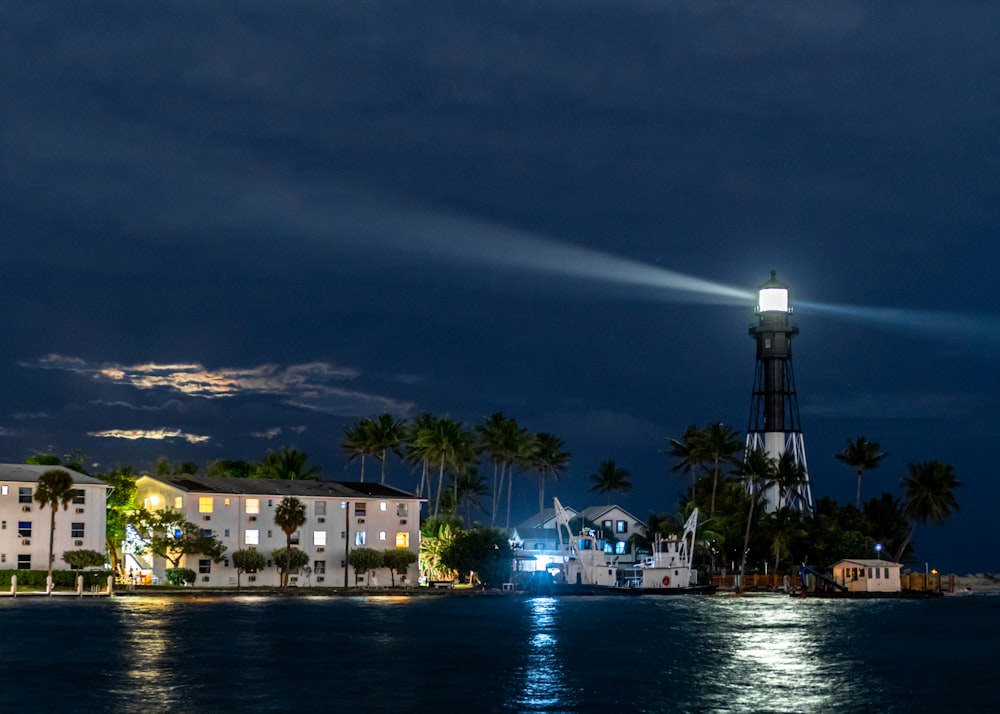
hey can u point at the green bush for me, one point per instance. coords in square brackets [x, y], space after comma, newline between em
[180, 576]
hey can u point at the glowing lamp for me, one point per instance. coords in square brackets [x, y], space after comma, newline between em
[773, 296]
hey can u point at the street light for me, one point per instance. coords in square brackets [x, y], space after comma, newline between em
[878, 551]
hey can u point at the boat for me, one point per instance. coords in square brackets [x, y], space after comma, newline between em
[589, 570]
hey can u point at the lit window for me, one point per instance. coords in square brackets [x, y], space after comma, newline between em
[251, 537]
[343, 505]
[178, 502]
[608, 548]
[381, 536]
[76, 530]
[382, 505]
[24, 529]
[205, 504]
[205, 566]
[227, 501]
[4, 490]
[24, 494]
[402, 510]
[402, 539]
[359, 538]
[319, 538]
[79, 496]
[606, 524]
[253, 505]
[621, 526]
[620, 547]
[23, 562]
[320, 508]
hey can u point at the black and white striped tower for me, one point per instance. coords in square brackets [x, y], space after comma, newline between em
[774, 409]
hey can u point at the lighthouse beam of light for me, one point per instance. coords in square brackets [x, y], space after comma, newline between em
[971, 327]
[439, 236]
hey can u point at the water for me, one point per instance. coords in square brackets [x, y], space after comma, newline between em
[498, 654]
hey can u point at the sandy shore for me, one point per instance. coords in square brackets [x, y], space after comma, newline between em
[976, 584]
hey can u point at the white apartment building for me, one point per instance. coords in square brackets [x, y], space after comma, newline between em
[24, 525]
[340, 516]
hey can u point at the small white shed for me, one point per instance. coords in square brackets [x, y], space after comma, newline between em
[872, 576]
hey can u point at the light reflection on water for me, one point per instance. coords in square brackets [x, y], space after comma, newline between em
[544, 686]
[499, 654]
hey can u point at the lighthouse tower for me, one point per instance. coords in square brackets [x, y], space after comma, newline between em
[774, 410]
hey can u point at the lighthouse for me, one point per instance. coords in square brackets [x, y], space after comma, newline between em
[775, 427]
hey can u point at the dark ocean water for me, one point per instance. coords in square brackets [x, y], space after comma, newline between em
[498, 654]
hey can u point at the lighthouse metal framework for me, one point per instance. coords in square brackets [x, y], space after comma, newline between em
[775, 427]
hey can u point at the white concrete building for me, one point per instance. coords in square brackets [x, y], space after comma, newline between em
[871, 576]
[24, 525]
[340, 516]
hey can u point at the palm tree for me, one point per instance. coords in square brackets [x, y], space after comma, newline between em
[717, 443]
[359, 440]
[55, 488]
[387, 434]
[788, 476]
[784, 529]
[506, 443]
[470, 487]
[289, 516]
[549, 459]
[413, 453]
[862, 455]
[928, 495]
[610, 478]
[684, 450]
[758, 472]
[446, 444]
[288, 465]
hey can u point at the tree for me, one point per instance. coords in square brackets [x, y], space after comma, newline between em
[480, 552]
[43, 460]
[227, 468]
[758, 472]
[398, 560]
[862, 455]
[387, 435]
[288, 561]
[364, 560]
[55, 488]
[717, 443]
[247, 561]
[471, 486]
[685, 450]
[548, 458]
[171, 537]
[507, 443]
[288, 465]
[446, 444]
[289, 516]
[83, 558]
[181, 576]
[166, 467]
[436, 533]
[121, 507]
[789, 475]
[610, 478]
[929, 495]
[359, 440]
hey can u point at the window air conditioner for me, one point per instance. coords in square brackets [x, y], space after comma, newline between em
[26, 509]
[253, 519]
[321, 549]
[26, 541]
[321, 520]
[206, 518]
[205, 578]
[252, 578]
[361, 520]
[79, 510]
[402, 521]
[78, 542]
[320, 579]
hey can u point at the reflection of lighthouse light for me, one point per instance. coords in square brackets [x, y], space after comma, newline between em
[773, 300]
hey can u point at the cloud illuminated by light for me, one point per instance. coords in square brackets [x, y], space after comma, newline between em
[268, 434]
[152, 434]
[4, 431]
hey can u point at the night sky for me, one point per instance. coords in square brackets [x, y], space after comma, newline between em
[227, 228]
